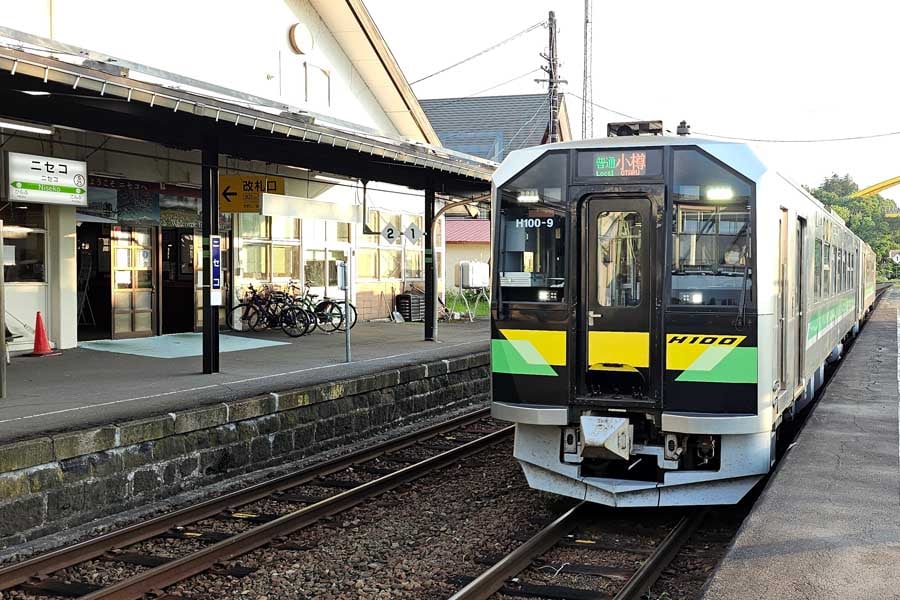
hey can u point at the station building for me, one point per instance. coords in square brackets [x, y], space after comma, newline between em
[316, 109]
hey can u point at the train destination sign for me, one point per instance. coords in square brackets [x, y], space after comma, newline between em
[620, 163]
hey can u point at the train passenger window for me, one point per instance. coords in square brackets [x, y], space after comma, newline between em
[619, 259]
[826, 271]
[711, 262]
[817, 271]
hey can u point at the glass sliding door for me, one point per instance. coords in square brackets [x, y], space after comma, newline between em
[133, 288]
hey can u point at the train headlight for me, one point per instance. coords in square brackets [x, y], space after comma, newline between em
[528, 196]
[696, 298]
[719, 193]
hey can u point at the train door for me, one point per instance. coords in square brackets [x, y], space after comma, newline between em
[619, 298]
[782, 306]
[799, 302]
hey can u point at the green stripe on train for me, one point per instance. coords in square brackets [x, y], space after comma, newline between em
[737, 366]
[822, 319]
[518, 357]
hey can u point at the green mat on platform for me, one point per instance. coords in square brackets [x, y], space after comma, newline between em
[176, 345]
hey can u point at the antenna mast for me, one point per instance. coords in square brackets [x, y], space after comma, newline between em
[587, 91]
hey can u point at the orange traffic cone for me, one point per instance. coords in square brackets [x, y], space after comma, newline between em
[41, 343]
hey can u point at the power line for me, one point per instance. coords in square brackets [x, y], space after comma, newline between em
[801, 141]
[488, 89]
[606, 108]
[485, 51]
[762, 140]
[524, 125]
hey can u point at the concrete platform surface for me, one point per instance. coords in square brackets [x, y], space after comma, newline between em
[828, 523]
[84, 387]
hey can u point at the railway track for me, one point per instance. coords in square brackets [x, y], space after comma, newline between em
[299, 499]
[510, 574]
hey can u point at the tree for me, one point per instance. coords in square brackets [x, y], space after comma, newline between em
[864, 216]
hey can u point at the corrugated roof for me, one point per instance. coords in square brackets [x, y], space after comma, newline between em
[489, 126]
[468, 231]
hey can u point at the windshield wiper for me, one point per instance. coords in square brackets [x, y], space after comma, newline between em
[740, 321]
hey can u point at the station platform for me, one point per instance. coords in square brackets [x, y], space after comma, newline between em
[828, 523]
[106, 382]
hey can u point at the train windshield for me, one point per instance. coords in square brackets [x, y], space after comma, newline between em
[711, 243]
[531, 234]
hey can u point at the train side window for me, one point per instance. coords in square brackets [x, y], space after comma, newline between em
[619, 259]
[817, 271]
[826, 271]
[834, 270]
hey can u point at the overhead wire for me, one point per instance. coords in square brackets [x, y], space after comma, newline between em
[760, 140]
[524, 125]
[488, 89]
[477, 54]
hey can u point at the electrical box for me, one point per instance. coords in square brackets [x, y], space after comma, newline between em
[341, 274]
[474, 275]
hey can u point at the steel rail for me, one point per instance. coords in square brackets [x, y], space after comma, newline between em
[158, 578]
[44, 564]
[668, 549]
[490, 581]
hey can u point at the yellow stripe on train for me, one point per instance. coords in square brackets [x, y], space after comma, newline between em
[618, 348]
[683, 349]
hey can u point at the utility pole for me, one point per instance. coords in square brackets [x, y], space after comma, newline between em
[553, 80]
[587, 90]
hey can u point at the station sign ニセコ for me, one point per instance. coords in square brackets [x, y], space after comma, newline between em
[215, 271]
[47, 180]
[243, 192]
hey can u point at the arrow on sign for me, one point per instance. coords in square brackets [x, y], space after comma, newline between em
[227, 193]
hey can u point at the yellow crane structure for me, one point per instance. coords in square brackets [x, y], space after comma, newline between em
[877, 189]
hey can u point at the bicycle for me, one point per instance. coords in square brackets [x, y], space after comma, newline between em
[325, 314]
[269, 309]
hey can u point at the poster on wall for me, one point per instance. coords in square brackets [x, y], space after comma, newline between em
[46, 180]
[179, 211]
[102, 202]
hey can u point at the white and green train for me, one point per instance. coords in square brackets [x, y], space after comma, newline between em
[661, 305]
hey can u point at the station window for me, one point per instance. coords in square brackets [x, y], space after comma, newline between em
[390, 264]
[619, 259]
[24, 239]
[367, 263]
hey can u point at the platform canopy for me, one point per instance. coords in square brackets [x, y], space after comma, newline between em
[47, 82]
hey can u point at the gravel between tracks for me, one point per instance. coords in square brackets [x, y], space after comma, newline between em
[404, 544]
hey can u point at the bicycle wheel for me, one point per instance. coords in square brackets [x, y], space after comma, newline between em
[328, 316]
[310, 320]
[243, 317]
[294, 321]
[348, 313]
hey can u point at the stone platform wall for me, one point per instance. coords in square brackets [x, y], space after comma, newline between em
[51, 483]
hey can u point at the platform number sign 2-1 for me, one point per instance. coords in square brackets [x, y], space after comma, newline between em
[391, 234]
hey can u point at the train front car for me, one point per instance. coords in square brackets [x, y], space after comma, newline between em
[624, 320]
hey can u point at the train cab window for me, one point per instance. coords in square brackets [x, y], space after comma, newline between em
[619, 259]
[710, 244]
[711, 256]
[531, 233]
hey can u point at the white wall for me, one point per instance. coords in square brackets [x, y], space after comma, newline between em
[232, 43]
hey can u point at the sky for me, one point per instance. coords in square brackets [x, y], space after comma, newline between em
[770, 69]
